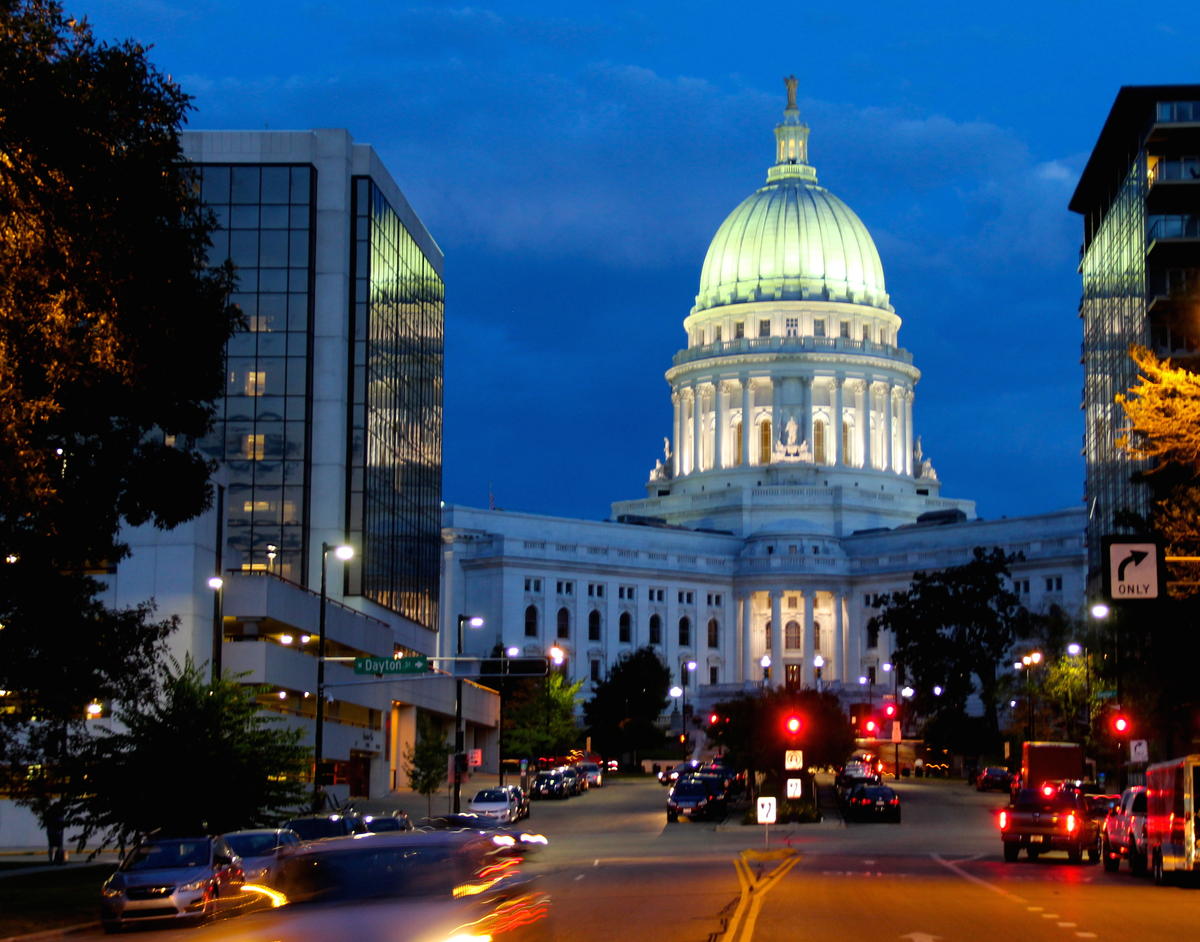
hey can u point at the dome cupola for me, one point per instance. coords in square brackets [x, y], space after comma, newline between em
[791, 240]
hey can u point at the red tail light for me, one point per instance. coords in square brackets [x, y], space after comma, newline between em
[894, 801]
[1070, 822]
[1048, 790]
[1003, 820]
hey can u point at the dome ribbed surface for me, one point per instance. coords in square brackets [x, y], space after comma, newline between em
[792, 240]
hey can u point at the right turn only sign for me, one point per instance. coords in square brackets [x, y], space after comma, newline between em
[1132, 569]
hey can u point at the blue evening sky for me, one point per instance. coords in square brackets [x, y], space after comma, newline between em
[574, 160]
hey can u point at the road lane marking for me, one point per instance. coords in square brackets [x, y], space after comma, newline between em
[954, 868]
[1067, 925]
[753, 892]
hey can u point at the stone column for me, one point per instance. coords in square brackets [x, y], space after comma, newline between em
[806, 638]
[718, 455]
[747, 424]
[677, 434]
[841, 642]
[745, 647]
[866, 423]
[908, 431]
[889, 408]
[838, 421]
[697, 428]
[778, 672]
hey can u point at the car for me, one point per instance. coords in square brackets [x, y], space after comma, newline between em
[172, 880]
[497, 803]
[694, 799]
[993, 777]
[1123, 834]
[593, 774]
[576, 782]
[1039, 820]
[857, 772]
[387, 821]
[316, 827]
[260, 850]
[670, 776]
[550, 785]
[872, 803]
[522, 797]
[402, 885]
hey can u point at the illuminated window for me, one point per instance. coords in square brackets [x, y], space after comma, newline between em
[791, 635]
[847, 439]
[256, 382]
[738, 457]
[764, 442]
[819, 442]
[254, 447]
[256, 506]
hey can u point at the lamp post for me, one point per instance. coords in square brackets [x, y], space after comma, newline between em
[342, 552]
[818, 663]
[677, 693]
[508, 655]
[475, 621]
[687, 667]
[1075, 649]
[1028, 662]
[217, 584]
[765, 661]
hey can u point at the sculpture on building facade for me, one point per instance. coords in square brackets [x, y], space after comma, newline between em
[664, 467]
[791, 449]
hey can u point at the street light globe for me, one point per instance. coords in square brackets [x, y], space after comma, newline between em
[1099, 610]
[818, 661]
[216, 582]
[886, 665]
[690, 665]
[1035, 657]
[907, 692]
[675, 691]
[1074, 649]
[1026, 660]
[765, 660]
[862, 679]
[557, 654]
[937, 690]
[1017, 665]
[475, 621]
[343, 552]
[513, 651]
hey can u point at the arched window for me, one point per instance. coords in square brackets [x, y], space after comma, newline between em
[564, 623]
[872, 635]
[531, 628]
[764, 442]
[847, 443]
[792, 635]
[714, 633]
[738, 454]
[819, 442]
[685, 632]
[816, 636]
[593, 625]
[655, 630]
[768, 636]
[625, 628]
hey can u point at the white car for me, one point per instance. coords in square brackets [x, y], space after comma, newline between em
[496, 803]
[593, 773]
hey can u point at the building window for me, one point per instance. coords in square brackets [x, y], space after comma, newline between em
[845, 329]
[714, 676]
[793, 601]
[791, 635]
[739, 330]
[791, 676]
[768, 629]
[717, 334]
[254, 447]
[531, 620]
[764, 442]
[533, 585]
[593, 625]
[1054, 583]
[1021, 586]
[655, 630]
[595, 590]
[714, 599]
[714, 633]
[819, 328]
[625, 628]
[686, 598]
[816, 636]
[868, 601]
[819, 442]
[685, 633]
[564, 623]
[866, 334]
[764, 328]
[685, 681]
[256, 383]
[872, 639]
[565, 587]
[595, 674]
[738, 446]
[657, 595]
[791, 326]
[847, 442]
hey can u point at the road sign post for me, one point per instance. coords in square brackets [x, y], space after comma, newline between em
[766, 817]
[1133, 569]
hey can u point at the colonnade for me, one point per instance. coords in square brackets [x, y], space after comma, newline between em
[873, 416]
[767, 623]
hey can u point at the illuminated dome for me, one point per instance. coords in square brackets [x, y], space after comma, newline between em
[792, 239]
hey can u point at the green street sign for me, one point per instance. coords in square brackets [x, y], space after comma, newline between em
[392, 665]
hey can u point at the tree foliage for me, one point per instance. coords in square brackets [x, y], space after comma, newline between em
[953, 628]
[623, 712]
[194, 758]
[426, 761]
[539, 719]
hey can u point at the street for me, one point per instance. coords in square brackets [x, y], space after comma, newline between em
[614, 867]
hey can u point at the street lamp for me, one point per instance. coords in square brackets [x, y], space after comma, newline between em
[1028, 662]
[475, 621]
[342, 552]
[1075, 649]
[677, 692]
[818, 663]
[765, 661]
[216, 583]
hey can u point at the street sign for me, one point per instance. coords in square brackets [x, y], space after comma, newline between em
[766, 811]
[419, 664]
[793, 760]
[1133, 569]
[896, 731]
[795, 788]
[1139, 750]
[475, 758]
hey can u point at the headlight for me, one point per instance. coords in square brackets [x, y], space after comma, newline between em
[195, 885]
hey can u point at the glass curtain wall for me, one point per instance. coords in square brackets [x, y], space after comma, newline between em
[261, 434]
[395, 457]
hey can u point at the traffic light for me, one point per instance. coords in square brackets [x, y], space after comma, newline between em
[792, 724]
[1120, 724]
[871, 727]
[714, 719]
[890, 711]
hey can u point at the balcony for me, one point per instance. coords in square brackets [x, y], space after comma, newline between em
[791, 345]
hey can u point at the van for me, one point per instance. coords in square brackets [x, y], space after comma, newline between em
[1172, 788]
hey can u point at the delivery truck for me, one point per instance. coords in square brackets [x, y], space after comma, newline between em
[1171, 792]
[1050, 762]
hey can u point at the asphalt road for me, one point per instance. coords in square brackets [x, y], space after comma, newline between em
[618, 872]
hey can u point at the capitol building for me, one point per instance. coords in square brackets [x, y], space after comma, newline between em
[791, 491]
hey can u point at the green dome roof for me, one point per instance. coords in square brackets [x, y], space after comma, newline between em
[792, 239]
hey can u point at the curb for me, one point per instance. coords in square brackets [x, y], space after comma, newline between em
[47, 934]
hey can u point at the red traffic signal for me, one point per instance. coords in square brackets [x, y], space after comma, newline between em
[1120, 724]
[889, 711]
[792, 724]
[714, 719]
[870, 726]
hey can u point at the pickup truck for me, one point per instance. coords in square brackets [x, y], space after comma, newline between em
[1041, 820]
[1124, 832]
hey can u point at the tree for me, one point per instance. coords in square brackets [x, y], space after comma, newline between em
[540, 719]
[195, 757]
[625, 706]
[112, 331]
[426, 760]
[953, 628]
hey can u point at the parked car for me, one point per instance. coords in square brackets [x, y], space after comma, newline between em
[388, 821]
[1124, 832]
[872, 803]
[994, 777]
[260, 850]
[671, 775]
[694, 799]
[179, 879]
[592, 774]
[550, 785]
[316, 827]
[576, 783]
[522, 798]
[498, 804]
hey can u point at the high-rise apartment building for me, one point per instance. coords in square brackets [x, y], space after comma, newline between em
[1139, 196]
